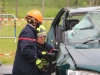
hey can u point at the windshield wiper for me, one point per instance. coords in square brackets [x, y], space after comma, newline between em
[98, 40]
[88, 41]
[97, 37]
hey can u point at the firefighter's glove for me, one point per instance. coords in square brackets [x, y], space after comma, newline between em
[44, 62]
[39, 63]
[44, 52]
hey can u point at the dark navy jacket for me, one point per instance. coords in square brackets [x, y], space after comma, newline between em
[26, 52]
[45, 47]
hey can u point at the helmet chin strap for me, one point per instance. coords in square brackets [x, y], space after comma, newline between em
[37, 25]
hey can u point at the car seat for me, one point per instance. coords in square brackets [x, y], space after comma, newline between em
[70, 23]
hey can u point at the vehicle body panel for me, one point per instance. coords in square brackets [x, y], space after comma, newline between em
[88, 58]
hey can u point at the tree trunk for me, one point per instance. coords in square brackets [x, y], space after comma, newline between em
[76, 2]
[97, 2]
[17, 8]
[92, 2]
[31, 0]
[43, 8]
[68, 1]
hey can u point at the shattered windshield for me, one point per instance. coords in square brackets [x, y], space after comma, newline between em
[86, 33]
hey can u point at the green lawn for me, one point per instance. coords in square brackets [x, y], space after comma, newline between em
[8, 46]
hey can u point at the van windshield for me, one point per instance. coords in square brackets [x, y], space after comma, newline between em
[88, 29]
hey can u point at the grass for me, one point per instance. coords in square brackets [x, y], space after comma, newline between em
[48, 12]
[8, 46]
[51, 7]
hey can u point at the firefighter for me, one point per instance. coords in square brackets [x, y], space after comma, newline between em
[26, 61]
[43, 49]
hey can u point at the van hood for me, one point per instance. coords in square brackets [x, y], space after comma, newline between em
[85, 58]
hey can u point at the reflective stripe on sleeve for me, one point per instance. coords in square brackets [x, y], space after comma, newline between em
[27, 39]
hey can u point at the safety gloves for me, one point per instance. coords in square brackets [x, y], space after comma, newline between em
[41, 63]
[44, 52]
[44, 62]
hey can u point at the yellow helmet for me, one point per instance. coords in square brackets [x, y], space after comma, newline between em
[35, 14]
[41, 31]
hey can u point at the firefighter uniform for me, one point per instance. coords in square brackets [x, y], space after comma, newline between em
[26, 52]
[45, 47]
[26, 61]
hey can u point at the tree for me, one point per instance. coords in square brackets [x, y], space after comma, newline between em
[76, 2]
[68, 1]
[16, 8]
[97, 2]
[3, 4]
[31, 0]
[43, 8]
[94, 2]
[91, 2]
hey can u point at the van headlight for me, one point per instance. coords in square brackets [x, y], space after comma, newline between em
[82, 72]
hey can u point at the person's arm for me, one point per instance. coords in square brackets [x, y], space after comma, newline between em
[28, 45]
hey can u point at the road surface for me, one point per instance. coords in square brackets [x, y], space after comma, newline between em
[6, 69]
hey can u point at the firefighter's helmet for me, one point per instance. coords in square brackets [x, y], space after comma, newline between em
[41, 31]
[35, 14]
